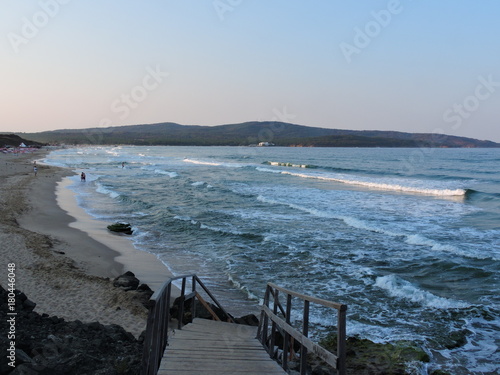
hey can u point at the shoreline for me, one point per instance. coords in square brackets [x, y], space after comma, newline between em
[121, 253]
[64, 270]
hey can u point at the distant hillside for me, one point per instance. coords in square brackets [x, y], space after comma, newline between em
[251, 133]
[14, 140]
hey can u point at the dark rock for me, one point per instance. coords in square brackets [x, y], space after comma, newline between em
[249, 320]
[365, 357]
[456, 339]
[121, 228]
[20, 296]
[22, 357]
[144, 294]
[145, 288]
[95, 326]
[51, 346]
[55, 320]
[142, 336]
[28, 369]
[323, 370]
[294, 365]
[201, 311]
[29, 305]
[127, 281]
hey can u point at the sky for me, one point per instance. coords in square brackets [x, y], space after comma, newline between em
[406, 65]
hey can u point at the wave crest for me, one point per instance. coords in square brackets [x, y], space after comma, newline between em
[402, 289]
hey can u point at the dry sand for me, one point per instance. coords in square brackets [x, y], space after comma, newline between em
[62, 269]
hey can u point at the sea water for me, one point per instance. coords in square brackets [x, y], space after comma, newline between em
[409, 239]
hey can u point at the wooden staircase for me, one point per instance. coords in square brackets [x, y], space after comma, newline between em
[220, 346]
[211, 347]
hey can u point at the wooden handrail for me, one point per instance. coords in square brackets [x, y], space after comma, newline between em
[289, 333]
[157, 328]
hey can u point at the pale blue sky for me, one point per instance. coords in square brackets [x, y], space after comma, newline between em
[417, 66]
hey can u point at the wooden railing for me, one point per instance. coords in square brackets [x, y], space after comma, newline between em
[159, 318]
[281, 322]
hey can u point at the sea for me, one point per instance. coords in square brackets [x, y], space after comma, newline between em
[409, 239]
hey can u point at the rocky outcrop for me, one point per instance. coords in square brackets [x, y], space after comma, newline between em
[365, 357]
[129, 282]
[50, 345]
[121, 228]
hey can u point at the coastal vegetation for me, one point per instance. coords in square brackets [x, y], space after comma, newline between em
[249, 134]
[13, 140]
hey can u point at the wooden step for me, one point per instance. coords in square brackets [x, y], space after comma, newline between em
[216, 348]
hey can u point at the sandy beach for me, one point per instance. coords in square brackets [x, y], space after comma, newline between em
[59, 266]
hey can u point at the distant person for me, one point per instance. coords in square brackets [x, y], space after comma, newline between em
[35, 170]
[123, 164]
[82, 177]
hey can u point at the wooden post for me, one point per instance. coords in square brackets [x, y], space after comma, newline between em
[167, 313]
[341, 340]
[266, 321]
[273, 324]
[286, 343]
[181, 304]
[305, 332]
[193, 289]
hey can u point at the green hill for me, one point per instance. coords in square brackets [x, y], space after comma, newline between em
[251, 133]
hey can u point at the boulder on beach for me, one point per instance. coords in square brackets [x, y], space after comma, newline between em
[127, 281]
[121, 228]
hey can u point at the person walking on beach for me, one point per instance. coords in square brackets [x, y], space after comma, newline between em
[82, 177]
[35, 170]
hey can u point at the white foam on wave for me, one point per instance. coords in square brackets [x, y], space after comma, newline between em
[260, 169]
[411, 239]
[402, 289]
[312, 211]
[241, 287]
[198, 183]
[374, 184]
[167, 173]
[284, 164]
[418, 239]
[213, 163]
[200, 162]
[221, 230]
[182, 218]
[360, 224]
[103, 190]
[481, 350]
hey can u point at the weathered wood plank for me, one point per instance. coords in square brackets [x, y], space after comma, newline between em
[324, 354]
[319, 301]
[213, 347]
